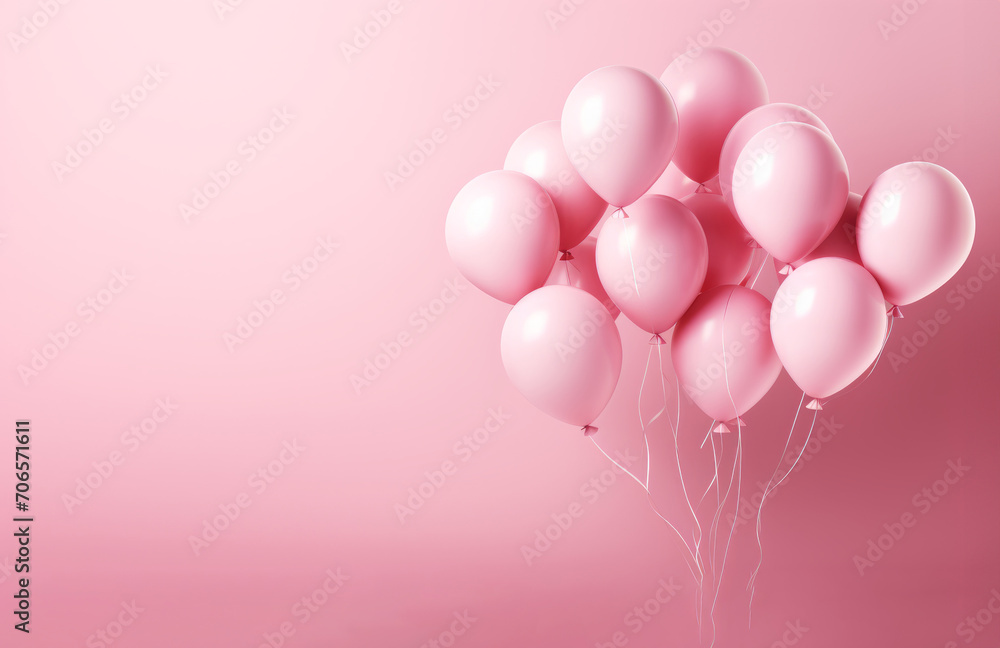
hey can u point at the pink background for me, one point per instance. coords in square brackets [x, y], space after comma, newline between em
[333, 506]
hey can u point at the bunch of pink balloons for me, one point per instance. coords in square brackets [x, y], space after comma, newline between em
[697, 170]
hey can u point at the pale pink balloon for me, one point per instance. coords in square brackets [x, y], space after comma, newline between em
[722, 351]
[790, 188]
[749, 125]
[619, 127]
[503, 233]
[916, 226]
[562, 351]
[843, 240]
[581, 272]
[653, 263]
[675, 184]
[828, 324]
[729, 251]
[712, 90]
[539, 153]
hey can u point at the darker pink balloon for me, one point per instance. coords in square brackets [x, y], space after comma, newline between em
[916, 226]
[539, 153]
[562, 351]
[728, 243]
[842, 241]
[749, 125]
[503, 234]
[722, 351]
[653, 263]
[619, 127]
[581, 272]
[712, 90]
[828, 324]
[790, 188]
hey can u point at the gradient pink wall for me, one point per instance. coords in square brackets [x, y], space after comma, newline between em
[359, 266]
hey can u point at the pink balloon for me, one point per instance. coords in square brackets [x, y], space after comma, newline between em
[749, 125]
[675, 184]
[916, 226]
[729, 251]
[712, 90]
[790, 188]
[619, 127]
[562, 351]
[581, 272]
[722, 351]
[653, 263]
[828, 324]
[539, 153]
[503, 233]
[842, 241]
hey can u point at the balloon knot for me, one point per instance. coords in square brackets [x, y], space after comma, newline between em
[815, 404]
[738, 421]
[588, 430]
[753, 244]
[894, 312]
[566, 256]
[701, 188]
[721, 428]
[657, 339]
[619, 213]
[785, 270]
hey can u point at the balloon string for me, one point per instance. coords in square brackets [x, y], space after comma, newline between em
[628, 244]
[645, 485]
[732, 528]
[783, 478]
[767, 491]
[750, 264]
[714, 529]
[689, 555]
[715, 478]
[738, 460]
[677, 453]
[708, 436]
[871, 370]
[777, 468]
[717, 459]
[675, 427]
[725, 362]
[642, 421]
[757, 276]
